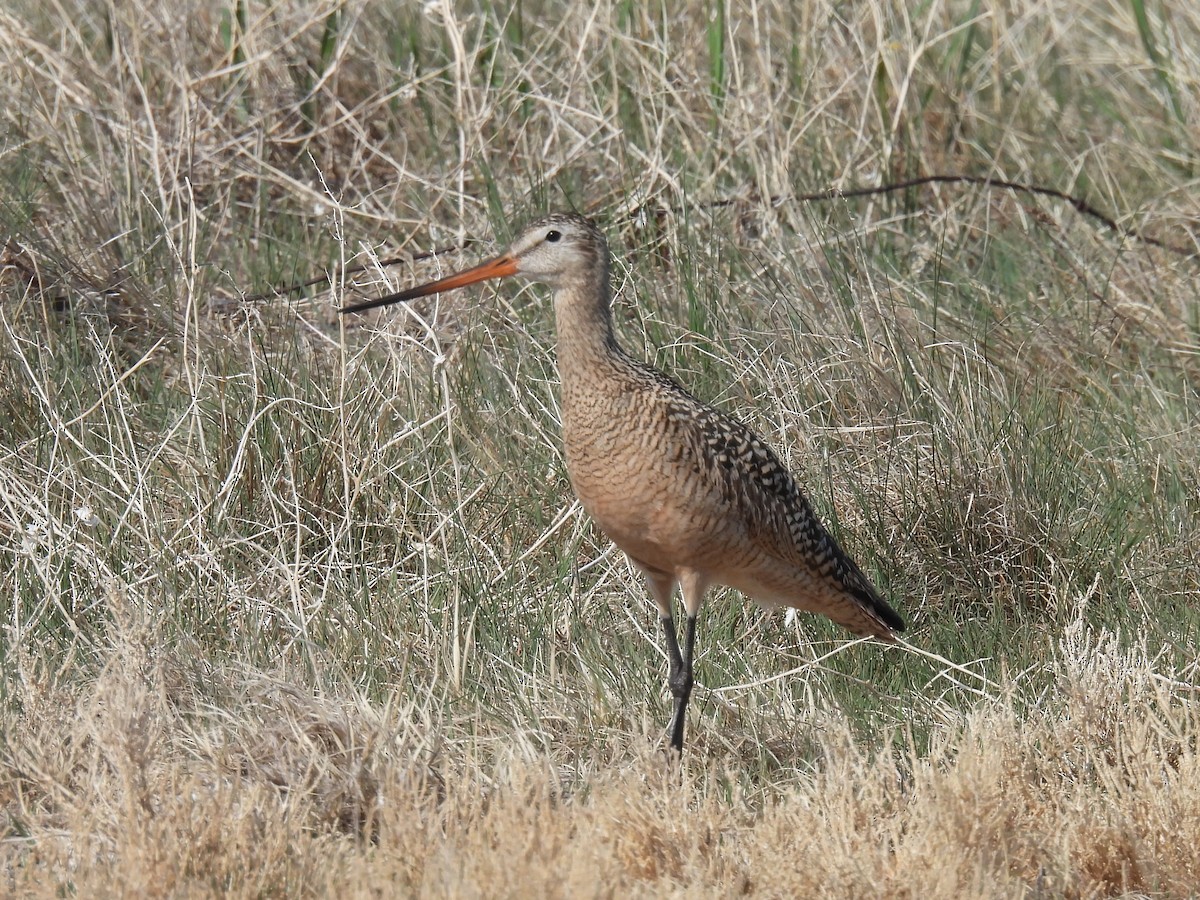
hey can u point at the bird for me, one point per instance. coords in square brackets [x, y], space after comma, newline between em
[689, 493]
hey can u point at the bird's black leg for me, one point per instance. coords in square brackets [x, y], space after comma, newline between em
[680, 677]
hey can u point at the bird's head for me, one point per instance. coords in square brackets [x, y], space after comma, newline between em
[555, 250]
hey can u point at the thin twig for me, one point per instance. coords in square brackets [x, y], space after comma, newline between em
[353, 270]
[1080, 205]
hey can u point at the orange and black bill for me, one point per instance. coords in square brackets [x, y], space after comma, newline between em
[493, 268]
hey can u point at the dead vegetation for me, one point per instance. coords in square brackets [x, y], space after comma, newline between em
[154, 778]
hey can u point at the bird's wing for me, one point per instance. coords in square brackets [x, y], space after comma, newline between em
[759, 489]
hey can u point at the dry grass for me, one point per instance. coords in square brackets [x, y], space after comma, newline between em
[165, 777]
[299, 607]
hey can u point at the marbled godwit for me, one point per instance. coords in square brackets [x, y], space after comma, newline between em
[688, 493]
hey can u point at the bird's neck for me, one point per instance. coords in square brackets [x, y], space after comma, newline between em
[586, 343]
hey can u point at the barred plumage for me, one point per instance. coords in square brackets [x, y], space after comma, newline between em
[689, 493]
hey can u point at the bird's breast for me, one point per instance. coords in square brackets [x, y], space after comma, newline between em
[638, 477]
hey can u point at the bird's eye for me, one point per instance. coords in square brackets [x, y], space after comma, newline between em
[553, 236]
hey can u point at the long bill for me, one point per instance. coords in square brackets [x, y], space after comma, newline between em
[493, 268]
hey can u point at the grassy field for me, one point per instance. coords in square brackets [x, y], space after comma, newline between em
[296, 606]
